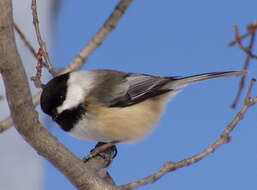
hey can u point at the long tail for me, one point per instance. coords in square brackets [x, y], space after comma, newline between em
[181, 82]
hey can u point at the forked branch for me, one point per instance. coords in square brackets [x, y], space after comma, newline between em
[251, 30]
[84, 54]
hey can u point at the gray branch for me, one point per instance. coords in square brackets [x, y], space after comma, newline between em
[25, 118]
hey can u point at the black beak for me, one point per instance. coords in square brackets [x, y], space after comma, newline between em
[54, 115]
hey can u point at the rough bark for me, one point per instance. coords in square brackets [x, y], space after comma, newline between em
[25, 117]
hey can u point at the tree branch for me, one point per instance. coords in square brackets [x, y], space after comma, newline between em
[24, 39]
[251, 31]
[99, 37]
[223, 139]
[85, 53]
[8, 122]
[40, 40]
[24, 116]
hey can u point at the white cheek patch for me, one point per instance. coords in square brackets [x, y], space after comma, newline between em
[74, 97]
[79, 85]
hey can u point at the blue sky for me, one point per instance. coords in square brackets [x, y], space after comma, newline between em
[169, 38]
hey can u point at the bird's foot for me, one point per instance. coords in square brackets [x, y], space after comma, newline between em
[107, 151]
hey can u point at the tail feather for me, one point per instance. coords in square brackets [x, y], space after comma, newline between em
[181, 82]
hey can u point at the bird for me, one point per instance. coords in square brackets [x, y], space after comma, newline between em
[111, 106]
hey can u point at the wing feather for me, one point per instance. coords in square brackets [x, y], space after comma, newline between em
[142, 87]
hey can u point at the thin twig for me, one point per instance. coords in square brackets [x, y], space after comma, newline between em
[27, 43]
[99, 37]
[252, 29]
[39, 38]
[248, 49]
[223, 139]
[8, 123]
[24, 39]
[230, 44]
[36, 79]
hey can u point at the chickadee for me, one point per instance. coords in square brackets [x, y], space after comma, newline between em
[112, 106]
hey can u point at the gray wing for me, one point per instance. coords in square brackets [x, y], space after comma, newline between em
[145, 86]
[120, 89]
[138, 88]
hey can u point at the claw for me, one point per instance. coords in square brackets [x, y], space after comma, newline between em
[107, 151]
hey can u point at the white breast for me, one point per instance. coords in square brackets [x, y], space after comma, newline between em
[84, 130]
